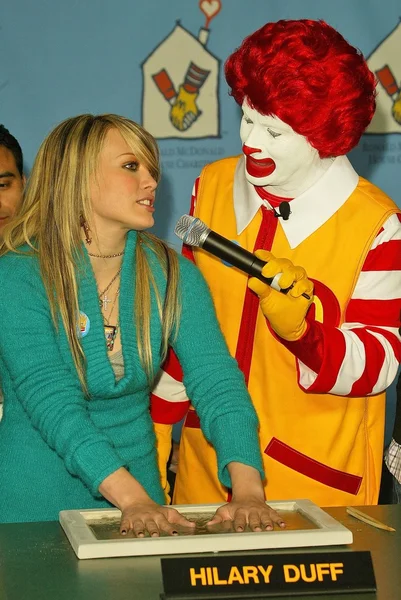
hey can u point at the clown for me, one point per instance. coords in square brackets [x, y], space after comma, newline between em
[317, 369]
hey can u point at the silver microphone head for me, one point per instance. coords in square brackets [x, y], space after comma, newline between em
[191, 231]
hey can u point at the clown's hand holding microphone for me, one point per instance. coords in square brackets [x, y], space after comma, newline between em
[285, 312]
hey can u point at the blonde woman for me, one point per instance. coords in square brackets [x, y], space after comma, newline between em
[90, 304]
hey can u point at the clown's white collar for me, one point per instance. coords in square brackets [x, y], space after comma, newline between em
[309, 211]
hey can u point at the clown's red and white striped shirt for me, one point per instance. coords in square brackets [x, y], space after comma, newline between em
[360, 358]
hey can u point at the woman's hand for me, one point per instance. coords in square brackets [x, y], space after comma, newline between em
[149, 517]
[248, 506]
[253, 512]
[139, 513]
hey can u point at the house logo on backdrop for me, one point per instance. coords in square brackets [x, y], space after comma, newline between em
[181, 83]
[385, 62]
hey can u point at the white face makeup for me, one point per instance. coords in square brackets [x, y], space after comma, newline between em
[276, 157]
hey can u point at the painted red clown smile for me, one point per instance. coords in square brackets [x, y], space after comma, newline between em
[258, 168]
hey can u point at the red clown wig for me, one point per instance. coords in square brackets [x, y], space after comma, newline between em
[305, 73]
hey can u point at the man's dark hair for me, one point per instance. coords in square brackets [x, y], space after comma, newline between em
[8, 141]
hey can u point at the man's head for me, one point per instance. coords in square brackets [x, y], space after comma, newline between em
[12, 178]
[277, 156]
[307, 75]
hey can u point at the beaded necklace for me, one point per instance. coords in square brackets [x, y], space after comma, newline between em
[106, 255]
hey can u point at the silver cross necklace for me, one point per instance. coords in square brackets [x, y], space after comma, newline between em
[104, 300]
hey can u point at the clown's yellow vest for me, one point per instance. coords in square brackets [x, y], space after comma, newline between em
[339, 439]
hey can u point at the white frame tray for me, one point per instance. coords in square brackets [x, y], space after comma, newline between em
[328, 532]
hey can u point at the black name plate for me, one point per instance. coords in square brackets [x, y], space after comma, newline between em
[262, 575]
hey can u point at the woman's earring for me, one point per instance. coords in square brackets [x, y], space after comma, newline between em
[86, 229]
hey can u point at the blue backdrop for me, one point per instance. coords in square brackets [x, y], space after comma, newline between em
[59, 59]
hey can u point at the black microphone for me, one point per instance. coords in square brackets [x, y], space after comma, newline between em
[194, 232]
[284, 211]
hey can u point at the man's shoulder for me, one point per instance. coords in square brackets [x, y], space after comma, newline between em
[370, 192]
[218, 175]
[228, 163]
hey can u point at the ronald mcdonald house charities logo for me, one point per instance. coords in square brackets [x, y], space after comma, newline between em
[385, 62]
[181, 83]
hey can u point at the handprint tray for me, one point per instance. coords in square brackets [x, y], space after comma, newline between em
[95, 533]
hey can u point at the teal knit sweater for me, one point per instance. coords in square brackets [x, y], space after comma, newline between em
[56, 447]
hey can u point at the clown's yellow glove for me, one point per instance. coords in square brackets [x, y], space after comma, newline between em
[285, 312]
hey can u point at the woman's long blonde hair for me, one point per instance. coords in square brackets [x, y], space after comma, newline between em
[57, 198]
